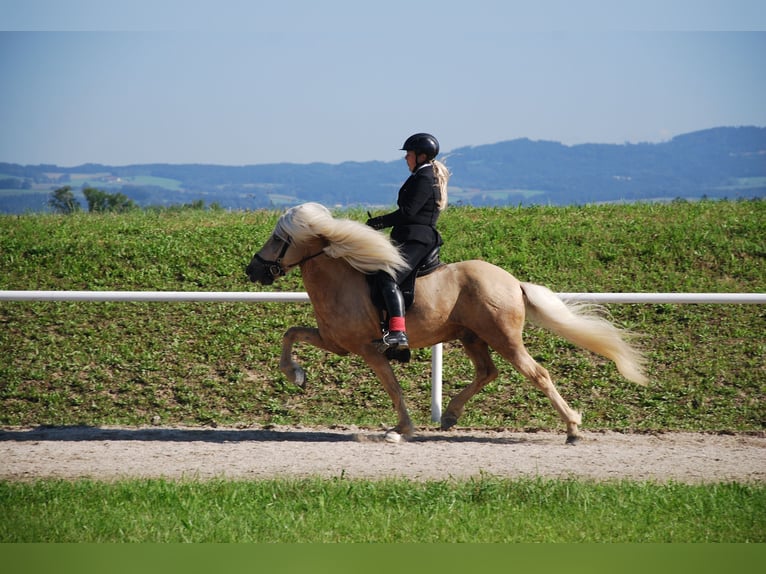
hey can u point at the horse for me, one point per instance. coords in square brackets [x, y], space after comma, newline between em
[474, 302]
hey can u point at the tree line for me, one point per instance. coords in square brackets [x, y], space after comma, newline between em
[63, 201]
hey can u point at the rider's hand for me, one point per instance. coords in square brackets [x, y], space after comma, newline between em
[375, 223]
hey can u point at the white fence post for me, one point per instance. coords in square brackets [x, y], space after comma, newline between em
[436, 382]
[297, 297]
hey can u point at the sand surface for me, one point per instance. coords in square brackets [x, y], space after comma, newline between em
[111, 453]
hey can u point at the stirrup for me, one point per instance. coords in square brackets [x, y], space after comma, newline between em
[395, 346]
[392, 340]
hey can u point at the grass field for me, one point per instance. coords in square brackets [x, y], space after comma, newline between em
[129, 363]
[216, 364]
[484, 509]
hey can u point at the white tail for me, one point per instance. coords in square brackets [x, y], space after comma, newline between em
[583, 325]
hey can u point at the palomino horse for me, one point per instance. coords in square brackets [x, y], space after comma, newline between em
[475, 302]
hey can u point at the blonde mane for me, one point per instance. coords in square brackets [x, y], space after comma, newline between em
[365, 249]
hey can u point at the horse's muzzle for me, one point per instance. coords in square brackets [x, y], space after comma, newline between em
[259, 273]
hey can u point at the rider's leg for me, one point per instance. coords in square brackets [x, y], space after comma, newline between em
[396, 337]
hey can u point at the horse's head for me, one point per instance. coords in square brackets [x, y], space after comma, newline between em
[291, 244]
[308, 230]
[267, 264]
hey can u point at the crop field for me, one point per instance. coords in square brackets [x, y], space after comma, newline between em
[206, 365]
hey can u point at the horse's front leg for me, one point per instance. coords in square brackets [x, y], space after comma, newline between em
[310, 335]
[382, 367]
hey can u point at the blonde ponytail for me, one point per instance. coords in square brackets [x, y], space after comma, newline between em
[442, 177]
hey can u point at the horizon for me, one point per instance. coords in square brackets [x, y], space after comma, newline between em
[443, 154]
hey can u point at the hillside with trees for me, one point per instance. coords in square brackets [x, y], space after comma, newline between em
[726, 162]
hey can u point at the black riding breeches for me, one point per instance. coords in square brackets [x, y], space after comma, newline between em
[413, 252]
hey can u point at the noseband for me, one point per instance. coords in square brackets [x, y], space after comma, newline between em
[276, 268]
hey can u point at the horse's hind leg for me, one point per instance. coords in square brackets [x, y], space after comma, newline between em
[527, 366]
[485, 371]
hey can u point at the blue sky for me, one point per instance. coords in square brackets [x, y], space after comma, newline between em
[235, 82]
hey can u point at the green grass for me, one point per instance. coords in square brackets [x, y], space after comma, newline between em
[146, 180]
[127, 363]
[483, 509]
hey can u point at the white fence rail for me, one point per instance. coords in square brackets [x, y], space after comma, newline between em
[300, 297]
[140, 296]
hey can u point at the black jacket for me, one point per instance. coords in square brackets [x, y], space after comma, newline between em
[415, 220]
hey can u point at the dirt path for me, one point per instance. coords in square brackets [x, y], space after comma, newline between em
[109, 453]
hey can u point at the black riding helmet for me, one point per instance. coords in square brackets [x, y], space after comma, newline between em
[422, 143]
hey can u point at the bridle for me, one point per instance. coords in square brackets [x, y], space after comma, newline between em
[276, 268]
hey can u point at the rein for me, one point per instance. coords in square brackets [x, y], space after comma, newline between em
[276, 268]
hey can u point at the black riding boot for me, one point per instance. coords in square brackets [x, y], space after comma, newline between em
[394, 339]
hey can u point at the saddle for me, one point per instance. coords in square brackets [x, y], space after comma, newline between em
[427, 265]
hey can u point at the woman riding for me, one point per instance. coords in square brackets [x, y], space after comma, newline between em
[420, 201]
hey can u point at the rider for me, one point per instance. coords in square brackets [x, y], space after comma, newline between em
[422, 197]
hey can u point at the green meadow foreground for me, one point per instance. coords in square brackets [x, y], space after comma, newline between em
[484, 509]
[203, 365]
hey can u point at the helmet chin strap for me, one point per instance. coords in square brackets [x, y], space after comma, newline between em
[419, 164]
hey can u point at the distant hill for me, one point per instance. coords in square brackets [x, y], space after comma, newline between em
[725, 162]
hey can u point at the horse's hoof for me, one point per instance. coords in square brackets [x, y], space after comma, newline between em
[572, 439]
[448, 421]
[300, 378]
[393, 437]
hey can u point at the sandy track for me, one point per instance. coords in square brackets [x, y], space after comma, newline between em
[109, 453]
